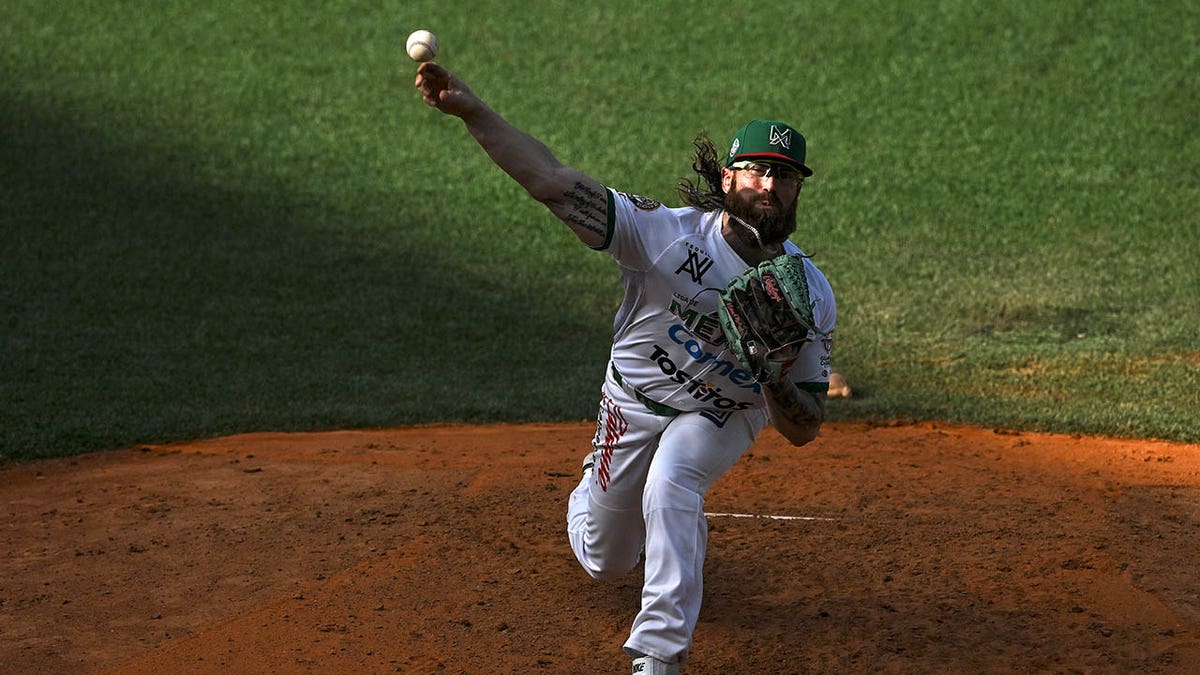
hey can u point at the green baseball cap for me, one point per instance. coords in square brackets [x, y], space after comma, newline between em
[769, 141]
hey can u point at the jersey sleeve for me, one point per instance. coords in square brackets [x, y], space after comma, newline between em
[640, 229]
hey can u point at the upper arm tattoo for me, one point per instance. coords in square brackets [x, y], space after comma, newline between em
[585, 210]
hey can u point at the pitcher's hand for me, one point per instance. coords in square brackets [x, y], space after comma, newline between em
[441, 89]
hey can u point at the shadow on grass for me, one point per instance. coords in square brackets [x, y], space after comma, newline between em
[143, 301]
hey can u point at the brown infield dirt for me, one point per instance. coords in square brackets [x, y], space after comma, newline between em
[914, 548]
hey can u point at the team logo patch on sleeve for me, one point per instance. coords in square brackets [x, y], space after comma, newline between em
[643, 203]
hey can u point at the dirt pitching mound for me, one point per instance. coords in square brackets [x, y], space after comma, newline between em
[920, 549]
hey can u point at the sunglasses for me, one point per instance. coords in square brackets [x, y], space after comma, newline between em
[779, 172]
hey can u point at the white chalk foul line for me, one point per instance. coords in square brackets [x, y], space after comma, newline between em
[755, 515]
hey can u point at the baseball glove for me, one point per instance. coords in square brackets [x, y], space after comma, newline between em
[767, 316]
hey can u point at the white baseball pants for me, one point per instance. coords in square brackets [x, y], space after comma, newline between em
[646, 492]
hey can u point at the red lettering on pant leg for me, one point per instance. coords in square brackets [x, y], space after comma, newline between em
[614, 427]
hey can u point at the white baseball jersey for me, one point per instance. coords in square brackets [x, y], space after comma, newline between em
[668, 343]
[650, 469]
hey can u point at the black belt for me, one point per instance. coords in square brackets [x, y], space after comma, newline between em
[653, 406]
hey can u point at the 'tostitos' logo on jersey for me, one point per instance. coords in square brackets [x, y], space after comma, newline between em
[703, 388]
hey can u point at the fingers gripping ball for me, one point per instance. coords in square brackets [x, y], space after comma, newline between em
[767, 316]
[422, 46]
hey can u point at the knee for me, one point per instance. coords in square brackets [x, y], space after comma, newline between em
[612, 566]
[607, 555]
[608, 574]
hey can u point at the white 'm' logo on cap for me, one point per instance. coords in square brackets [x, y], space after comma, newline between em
[783, 138]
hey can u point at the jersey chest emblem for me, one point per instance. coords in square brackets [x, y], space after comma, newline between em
[696, 264]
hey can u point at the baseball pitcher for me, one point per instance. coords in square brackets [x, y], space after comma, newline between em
[725, 326]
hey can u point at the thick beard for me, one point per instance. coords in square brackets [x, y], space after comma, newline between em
[773, 226]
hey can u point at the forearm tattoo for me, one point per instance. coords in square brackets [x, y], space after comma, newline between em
[799, 406]
[586, 209]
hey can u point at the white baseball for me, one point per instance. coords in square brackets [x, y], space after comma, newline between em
[422, 46]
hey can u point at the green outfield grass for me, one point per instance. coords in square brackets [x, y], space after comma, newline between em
[219, 218]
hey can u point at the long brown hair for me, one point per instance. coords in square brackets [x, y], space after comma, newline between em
[705, 191]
